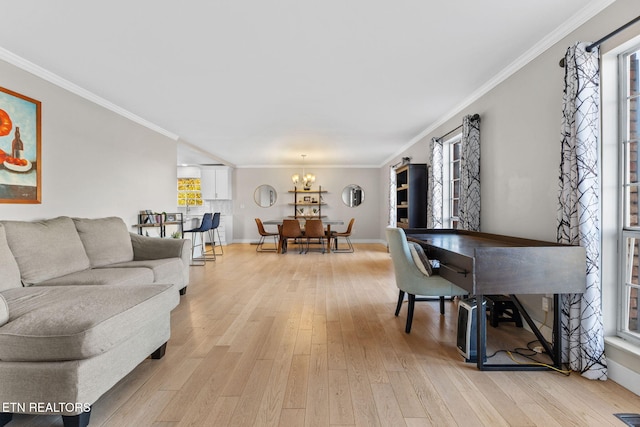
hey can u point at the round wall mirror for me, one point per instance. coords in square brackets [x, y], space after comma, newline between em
[265, 196]
[353, 195]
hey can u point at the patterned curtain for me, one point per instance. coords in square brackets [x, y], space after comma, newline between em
[392, 197]
[435, 187]
[469, 211]
[579, 211]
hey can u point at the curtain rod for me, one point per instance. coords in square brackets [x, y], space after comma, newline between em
[474, 117]
[607, 37]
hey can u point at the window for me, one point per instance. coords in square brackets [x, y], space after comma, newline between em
[451, 173]
[629, 121]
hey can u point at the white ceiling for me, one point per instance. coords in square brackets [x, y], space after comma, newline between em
[260, 82]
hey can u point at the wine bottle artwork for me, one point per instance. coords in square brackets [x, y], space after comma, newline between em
[20, 148]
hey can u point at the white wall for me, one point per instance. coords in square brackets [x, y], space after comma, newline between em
[520, 155]
[94, 162]
[246, 180]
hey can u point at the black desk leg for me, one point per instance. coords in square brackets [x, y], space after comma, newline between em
[557, 332]
[481, 344]
[554, 350]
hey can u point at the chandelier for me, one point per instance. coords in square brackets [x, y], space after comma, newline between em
[307, 178]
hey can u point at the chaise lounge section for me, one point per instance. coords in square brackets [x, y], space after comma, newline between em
[82, 303]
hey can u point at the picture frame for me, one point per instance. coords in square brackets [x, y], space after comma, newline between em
[20, 148]
[151, 217]
[170, 217]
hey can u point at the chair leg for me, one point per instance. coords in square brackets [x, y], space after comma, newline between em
[219, 243]
[194, 260]
[205, 256]
[412, 303]
[320, 242]
[262, 241]
[213, 246]
[400, 299]
[349, 249]
[442, 306]
[517, 317]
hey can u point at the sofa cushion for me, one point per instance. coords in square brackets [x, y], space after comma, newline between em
[9, 270]
[166, 270]
[77, 322]
[106, 240]
[103, 276]
[46, 249]
[4, 310]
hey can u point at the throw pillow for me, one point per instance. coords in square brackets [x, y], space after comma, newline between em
[9, 270]
[4, 311]
[420, 258]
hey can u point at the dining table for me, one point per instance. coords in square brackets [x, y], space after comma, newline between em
[325, 221]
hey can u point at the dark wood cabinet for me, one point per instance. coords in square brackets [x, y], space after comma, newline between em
[411, 196]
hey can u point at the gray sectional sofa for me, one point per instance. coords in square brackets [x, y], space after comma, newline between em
[82, 303]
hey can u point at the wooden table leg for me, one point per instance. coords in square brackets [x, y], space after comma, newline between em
[279, 251]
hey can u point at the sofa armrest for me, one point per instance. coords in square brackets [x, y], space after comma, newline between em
[145, 248]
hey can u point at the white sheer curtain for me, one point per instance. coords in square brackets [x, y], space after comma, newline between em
[579, 210]
[435, 185]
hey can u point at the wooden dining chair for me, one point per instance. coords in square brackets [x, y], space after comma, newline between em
[346, 235]
[263, 235]
[314, 229]
[290, 229]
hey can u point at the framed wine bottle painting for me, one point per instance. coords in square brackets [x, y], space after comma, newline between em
[20, 164]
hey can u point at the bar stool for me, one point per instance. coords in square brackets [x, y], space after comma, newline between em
[502, 309]
[205, 227]
[214, 228]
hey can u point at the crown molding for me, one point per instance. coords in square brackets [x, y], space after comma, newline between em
[591, 10]
[50, 77]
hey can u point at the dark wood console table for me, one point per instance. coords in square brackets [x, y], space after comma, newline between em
[486, 264]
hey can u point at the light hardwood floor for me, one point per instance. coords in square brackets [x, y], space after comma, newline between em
[263, 339]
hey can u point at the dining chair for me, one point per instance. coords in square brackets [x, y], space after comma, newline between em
[263, 235]
[314, 229]
[346, 235]
[215, 223]
[290, 229]
[415, 276]
[204, 227]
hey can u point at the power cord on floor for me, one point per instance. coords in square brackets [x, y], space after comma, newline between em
[533, 352]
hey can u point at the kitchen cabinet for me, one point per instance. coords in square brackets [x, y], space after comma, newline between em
[216, 183]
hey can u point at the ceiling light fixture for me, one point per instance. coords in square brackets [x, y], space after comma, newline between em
[307, 178]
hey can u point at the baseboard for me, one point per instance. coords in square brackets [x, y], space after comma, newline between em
[624, 376]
